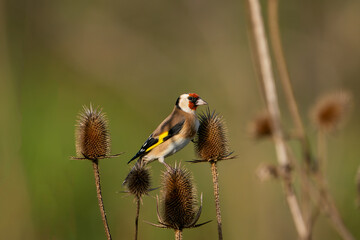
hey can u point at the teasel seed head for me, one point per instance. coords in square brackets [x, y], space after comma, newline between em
[178, 201]
[260, 127]
[92, 134]
[138, 181]
[331, 111]
[211, 142]
[92, 138]
[178, 198]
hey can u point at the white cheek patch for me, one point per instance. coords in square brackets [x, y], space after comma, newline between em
[184, 104]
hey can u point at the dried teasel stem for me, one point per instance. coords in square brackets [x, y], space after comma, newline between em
[263, 57]
[138, 201]
[178, 234]
[328, 114]
[357, 182]
[99, 196]
[322, 150]
[215, 179]
[282, 66]
[285, 78]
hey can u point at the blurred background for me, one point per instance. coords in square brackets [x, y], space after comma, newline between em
[134, 58]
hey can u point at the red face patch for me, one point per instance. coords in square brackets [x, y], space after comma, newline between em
[192, 105]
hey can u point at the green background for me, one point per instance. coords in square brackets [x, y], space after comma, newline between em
[134, 58]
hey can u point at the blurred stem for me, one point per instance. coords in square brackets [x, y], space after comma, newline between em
[178, 234]
[95, 164]
[326, 199]
[295, 209]
[137, 217]
[358, 187]
[327, 203]
[279, 56]
[214, 173]
[262, 53]
[283, 72]
[322, 150]
[285, 79]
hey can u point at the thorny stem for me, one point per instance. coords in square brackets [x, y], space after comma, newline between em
[217, 198]
[327, 203]
[262, 53]
[137, 217]
[178, 234]
[95, 164]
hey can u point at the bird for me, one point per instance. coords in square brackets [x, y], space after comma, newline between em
[174, 133]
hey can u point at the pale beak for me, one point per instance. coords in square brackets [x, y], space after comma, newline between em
[200, 102]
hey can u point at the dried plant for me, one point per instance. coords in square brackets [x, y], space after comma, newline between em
[138, 183]
[327, 115]
[331, 110]
[178, 201]
[93, 143]
[211, 145]
[262, 55]
[92, 134]
[260, 126]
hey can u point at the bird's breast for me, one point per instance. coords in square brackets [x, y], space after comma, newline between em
[190, 128]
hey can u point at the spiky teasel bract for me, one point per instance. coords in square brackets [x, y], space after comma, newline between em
[331, 110]
[211, 142]
[138, 181]
[92, 135]
[178, 201]
[260, 126]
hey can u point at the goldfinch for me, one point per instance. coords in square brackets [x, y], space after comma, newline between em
[174, 133]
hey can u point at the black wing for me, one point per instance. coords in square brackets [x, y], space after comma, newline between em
[152, 142]
[148, 143]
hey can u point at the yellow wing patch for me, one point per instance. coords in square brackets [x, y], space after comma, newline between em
[160, 141]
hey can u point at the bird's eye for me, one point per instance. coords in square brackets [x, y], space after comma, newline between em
[191, 99]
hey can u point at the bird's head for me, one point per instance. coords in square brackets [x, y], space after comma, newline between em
[188, 102]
